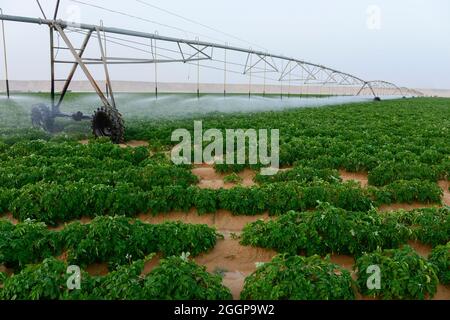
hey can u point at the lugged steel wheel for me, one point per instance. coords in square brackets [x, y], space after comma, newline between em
[108, 122]
[41, 117]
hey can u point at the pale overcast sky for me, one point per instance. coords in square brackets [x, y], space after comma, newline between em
[402, 41]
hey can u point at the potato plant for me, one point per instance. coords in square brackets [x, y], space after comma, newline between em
[115, 240]
[327, 230]
[299, 278]
[404, 275]
[440, 258]
[173, 279]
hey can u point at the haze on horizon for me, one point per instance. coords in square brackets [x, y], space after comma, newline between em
[403, 41]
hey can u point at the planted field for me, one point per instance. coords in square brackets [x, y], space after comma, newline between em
[360, 184]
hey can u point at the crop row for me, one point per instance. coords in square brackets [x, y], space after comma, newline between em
[334, 230]
[99, 149]
[383, 140]
[17, 175]
[174, 278]
[115, 240]
[54, 203]
[402, 272]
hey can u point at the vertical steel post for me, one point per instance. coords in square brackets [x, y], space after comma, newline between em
[156, 70]
[302, 81]
[106, 54]
[250, 76]
[198, 68]
[5, 57]
[225, 73]
[289, 81]
[52, 53]
[265, 72]
[52, 68]
[281, 81]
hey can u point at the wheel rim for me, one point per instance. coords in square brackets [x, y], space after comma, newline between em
[41, 117]
[102, 125]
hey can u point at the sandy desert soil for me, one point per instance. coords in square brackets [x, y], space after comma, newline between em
[355, 176]
[445, 185]
[131, 143]
[232, 260]
[210, 179]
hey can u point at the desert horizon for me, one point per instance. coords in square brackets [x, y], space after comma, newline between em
[35, 86]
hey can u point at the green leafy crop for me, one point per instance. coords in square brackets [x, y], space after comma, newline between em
[28, 242]
[174, 279]
[404, 274]
[440, 258]
[299, 278]
[179, 279]
[327, 230]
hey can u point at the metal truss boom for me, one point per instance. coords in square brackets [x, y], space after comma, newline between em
[313, 71]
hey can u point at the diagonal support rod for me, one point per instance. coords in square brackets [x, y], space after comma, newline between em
[73, 70]
[82, 65]
[105, 65]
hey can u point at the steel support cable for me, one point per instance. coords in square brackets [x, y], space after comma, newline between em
[204, 66]
[40, 8]
[143, 19]
[306, 64]
[168, 50]
[160, 48]
[174, 51]
[140, 18]
[169, 39]
[200, 24]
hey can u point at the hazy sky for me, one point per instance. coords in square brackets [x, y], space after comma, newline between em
[402, 41]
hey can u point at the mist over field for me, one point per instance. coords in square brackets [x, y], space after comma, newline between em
[167, 106]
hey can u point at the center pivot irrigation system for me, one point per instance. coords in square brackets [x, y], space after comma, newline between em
[107, 121]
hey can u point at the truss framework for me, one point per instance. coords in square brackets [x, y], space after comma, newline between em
[188, 52]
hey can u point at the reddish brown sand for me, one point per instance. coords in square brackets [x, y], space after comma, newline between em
[362, 178]
[210, 179]
[8, 216]
[445, 185]
[6, 270]
[82, 220]
[422, 249]
[63, 256]
[228, 257]
[222, 220]
[443, 293]
[150, 265]
[234, 261]
[355, 176]
[345, 262]
[98, 269]
[405, 206]
[136, 143]
[190, 217]
[132, 143]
